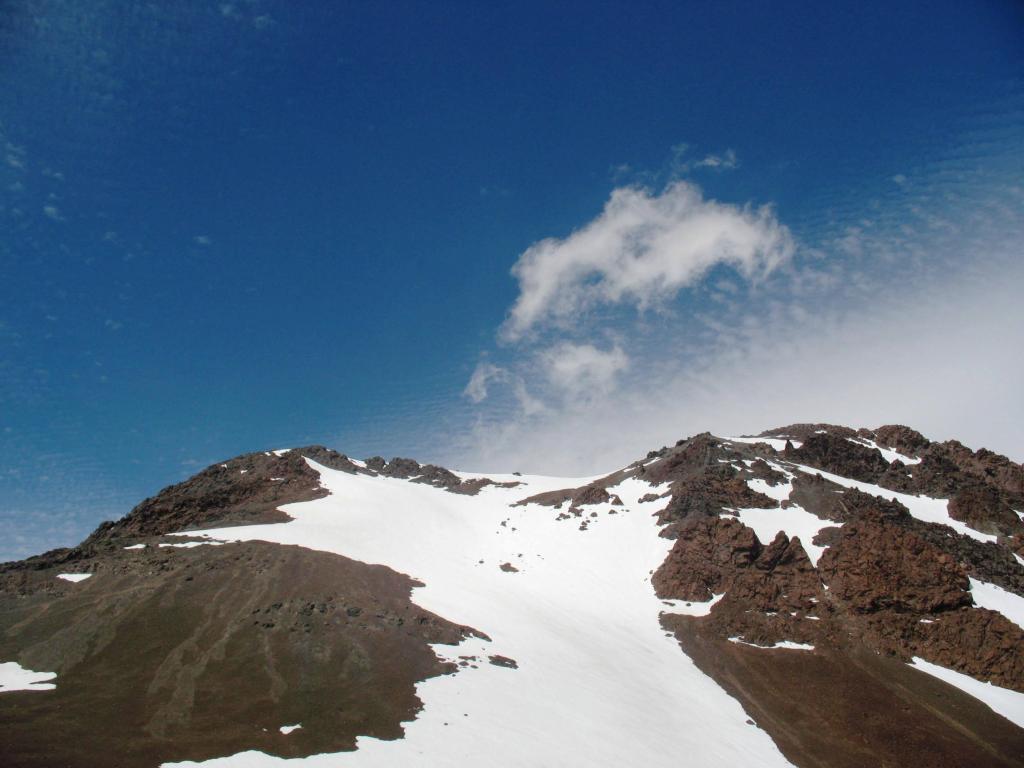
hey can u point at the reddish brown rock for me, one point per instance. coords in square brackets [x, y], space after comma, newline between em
[709, 494]
[975, 641]
[245, 490]
[831, 501]
[985, 509]
[900, 438]
[590, 494]
[705, 558]
[804, 431]
[688, 459]
[840, 456]
[875, 565]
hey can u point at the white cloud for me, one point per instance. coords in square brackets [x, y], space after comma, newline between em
[641, 251]
[937, 359]
[583, 370]
[725, 161]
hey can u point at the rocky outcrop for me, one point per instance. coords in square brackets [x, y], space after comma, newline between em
[975, 641]
[985, 508]
[988, 467]
[719, 489]
[248, 489]
[886, 581]
[706, 557]
[587, 495]
[840, 456]
[831, 501]
[802, 432]
[899, 438]
[874, 565]
[688, 459]
[429, 474]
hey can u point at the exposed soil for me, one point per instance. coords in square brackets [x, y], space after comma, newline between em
[172, 654]
[847, 707]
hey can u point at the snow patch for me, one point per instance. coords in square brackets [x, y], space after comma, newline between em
[779, 492]
[190, 544]
[793, 520]
[995, 598]
[788, 644]
[1002, 701]
[286, 729]
[74, 577]
[14, 677]
[136, 546]
[887, 453]
[776, 443]
[689, 608]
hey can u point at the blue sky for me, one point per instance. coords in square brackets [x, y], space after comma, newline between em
[229, 226]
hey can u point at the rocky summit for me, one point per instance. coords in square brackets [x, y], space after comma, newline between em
[815, 595]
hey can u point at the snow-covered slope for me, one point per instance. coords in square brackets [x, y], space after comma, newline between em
[598, 681]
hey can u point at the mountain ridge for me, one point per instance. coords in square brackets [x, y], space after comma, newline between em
[774, 541]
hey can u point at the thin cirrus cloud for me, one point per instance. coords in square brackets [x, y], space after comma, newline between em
[640, 251]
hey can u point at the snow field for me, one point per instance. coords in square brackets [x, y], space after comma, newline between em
[598, 683]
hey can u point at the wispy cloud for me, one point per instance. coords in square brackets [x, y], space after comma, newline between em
[683, 161]
[724, 162]
[484, 373]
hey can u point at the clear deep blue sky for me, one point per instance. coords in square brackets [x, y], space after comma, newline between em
[233, 226]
